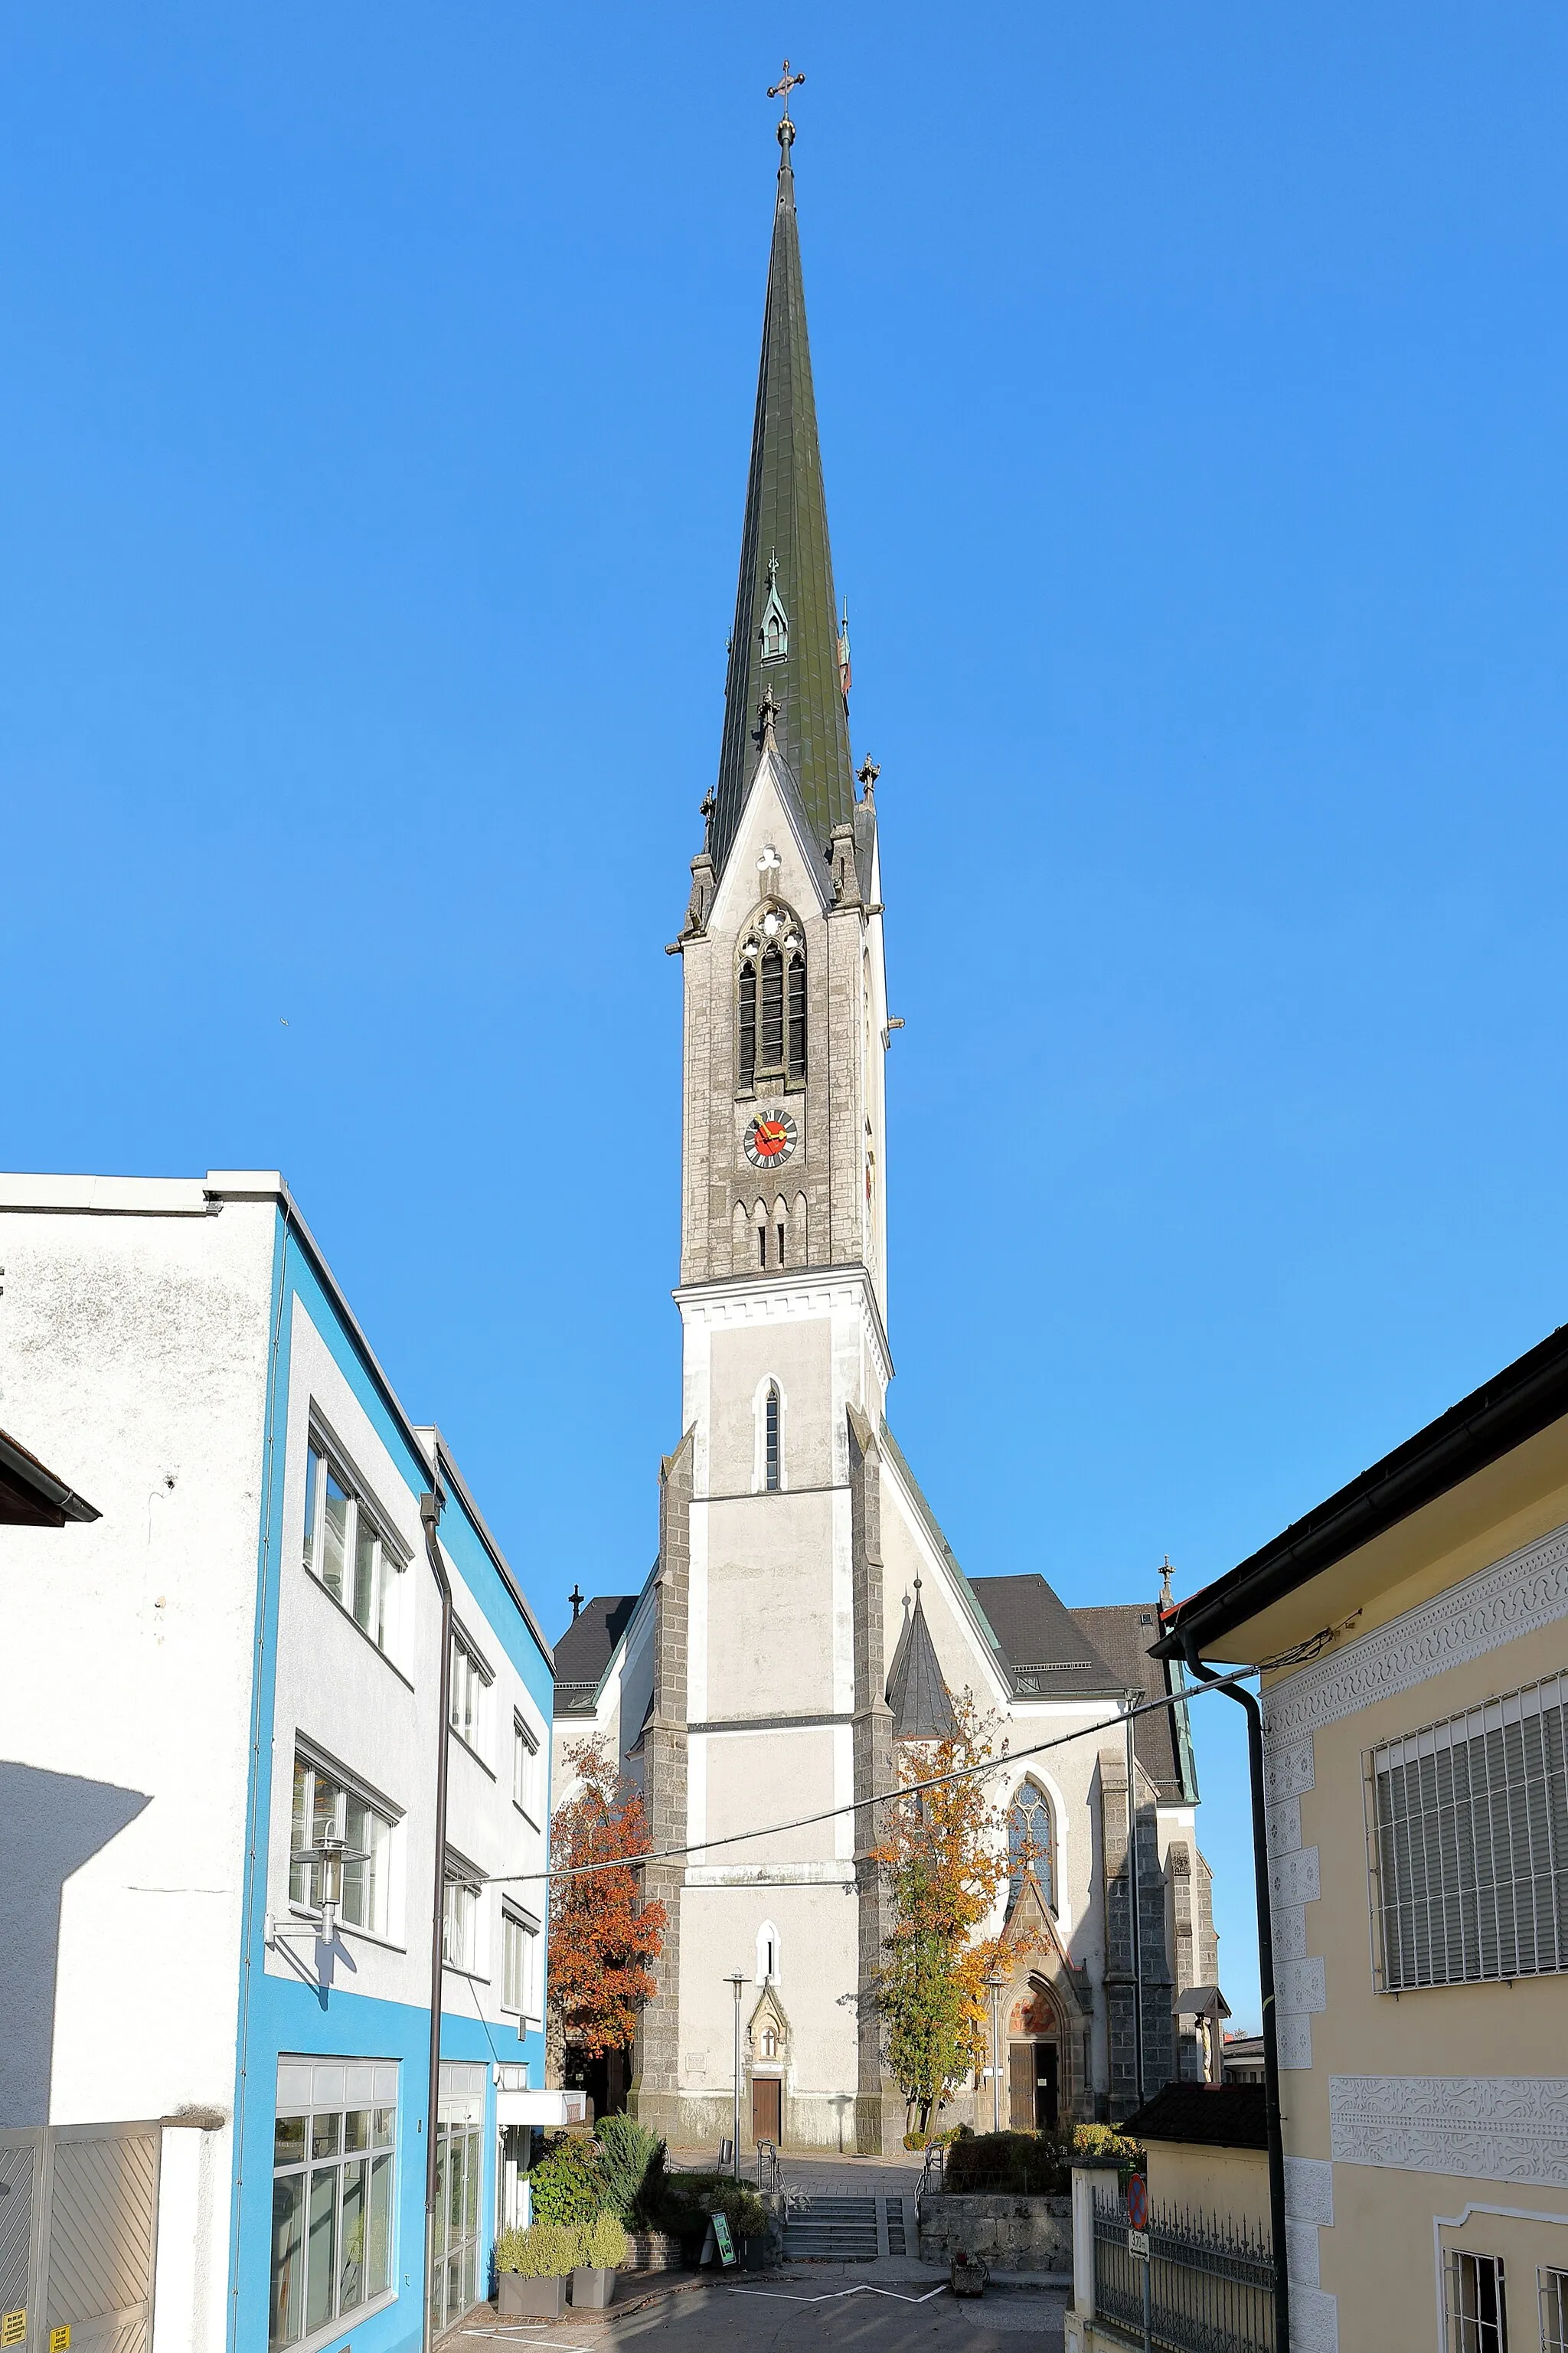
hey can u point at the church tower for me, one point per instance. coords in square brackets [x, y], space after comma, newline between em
[769, 1682]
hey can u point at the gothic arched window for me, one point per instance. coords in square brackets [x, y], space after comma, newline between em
[1031, 1842]
[772, 1448]
[771, 1000]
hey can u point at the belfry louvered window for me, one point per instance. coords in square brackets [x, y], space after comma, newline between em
[770, 1001]
[1467, 1832]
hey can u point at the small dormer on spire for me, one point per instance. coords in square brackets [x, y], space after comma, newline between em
[773, 634]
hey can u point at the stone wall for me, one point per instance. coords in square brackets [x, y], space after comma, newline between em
[1014, 2233]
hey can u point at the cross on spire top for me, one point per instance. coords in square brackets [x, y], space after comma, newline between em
[785, 84]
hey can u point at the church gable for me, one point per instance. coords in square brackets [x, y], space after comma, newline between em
[773, 854]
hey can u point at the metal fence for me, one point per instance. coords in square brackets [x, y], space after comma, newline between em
[1211, 2285]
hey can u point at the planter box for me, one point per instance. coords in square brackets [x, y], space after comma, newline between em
[529, 2299]
[593, 2288]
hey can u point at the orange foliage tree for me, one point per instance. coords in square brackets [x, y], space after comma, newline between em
[603, 1938]
[943, 1858]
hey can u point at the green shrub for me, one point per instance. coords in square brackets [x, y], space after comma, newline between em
[627, 2152]
[565, 2184]
[544, 2250]
[690, 2201]
[917, 2140]
[602, 2247]
[1105, 2141]
[1020, 2164]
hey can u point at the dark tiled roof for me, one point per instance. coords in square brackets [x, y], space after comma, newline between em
[1122, 1632]
[1222, 2115]
[1049, 1654]
[916, 1692]
[786, 525]
[586, 1648]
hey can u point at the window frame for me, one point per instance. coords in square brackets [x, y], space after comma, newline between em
[375, 2158]
[384, 1632]
[1464, 2333]
[1552, 2291]
[1460, 1912]
[762, 1025]
[528, 2004]
[351, 1789]
[1045, 1877]
[479, 1680]
[461, 1877]
[526, 1742]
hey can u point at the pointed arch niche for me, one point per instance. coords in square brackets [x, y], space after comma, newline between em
[768, 1460]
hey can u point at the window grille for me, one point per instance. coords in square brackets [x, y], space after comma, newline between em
[1477, 2313]
[748, 1024]
[771, 1463]
[1469, 1840]
[771, 1046]
[1553, 2288]
[797, 1016]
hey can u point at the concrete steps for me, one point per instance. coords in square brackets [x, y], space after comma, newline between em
[841, 2230]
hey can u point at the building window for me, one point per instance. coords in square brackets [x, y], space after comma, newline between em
[455, 2281]
[525, 1772]
[1552, 2287]
[1469, 1834]
[779, 1230]
[325, 1806]
[1030, 1844]
[332, 2177]
[772, 1001]
[461, 1917]
[767, 1954]
[1478, 2314]
[519, 1964]
[465, 1711]
[768, 2045]
[772, 1463]
[345, 1547]
[761, 1246]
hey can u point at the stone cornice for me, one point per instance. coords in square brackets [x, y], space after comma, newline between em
[788, 1293]
[1516, 1596]
[1480, 2128]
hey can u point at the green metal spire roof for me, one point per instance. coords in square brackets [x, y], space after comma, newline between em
[787, 570]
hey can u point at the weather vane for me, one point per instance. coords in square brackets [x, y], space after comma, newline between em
[785, 84]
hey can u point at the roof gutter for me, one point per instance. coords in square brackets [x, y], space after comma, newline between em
[1526, 1397]
[51, 1494]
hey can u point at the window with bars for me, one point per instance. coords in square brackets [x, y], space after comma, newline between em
[773, 1451]
[346, 1550]
[1469, 1837]
[1553, 2289]
[1477, 2312]
[772, 1002]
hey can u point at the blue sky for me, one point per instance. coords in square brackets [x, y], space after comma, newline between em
[1191, 385]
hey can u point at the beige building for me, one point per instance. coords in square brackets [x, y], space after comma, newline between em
[805, 1614]
[1413, 1634]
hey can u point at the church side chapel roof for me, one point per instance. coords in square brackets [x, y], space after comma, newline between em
[1122, 1632]
[786, 632]
[586, 1647]
[1047, 1651]
[922, 1709]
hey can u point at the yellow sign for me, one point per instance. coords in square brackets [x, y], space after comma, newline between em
[13, 2327]
[60, 2339]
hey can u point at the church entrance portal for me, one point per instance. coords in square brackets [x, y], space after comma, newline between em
[766, 2108]
[1032, 2087]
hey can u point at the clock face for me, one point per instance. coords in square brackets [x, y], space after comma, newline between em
[770, 1139]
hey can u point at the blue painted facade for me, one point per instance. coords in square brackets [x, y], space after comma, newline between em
[279, 2014]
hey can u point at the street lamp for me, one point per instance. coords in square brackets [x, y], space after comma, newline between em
[995, 1984]
[327, 1859]
[737, 1978]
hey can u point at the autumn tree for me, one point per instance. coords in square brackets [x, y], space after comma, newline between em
[943, 1859]
[603, 1938]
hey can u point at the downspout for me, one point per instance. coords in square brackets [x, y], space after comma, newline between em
[1134, 1923]
[430, 1506]
[1265, 1988]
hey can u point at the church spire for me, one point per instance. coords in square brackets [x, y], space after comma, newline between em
[785, 641]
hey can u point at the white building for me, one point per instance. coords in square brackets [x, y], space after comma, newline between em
[806, 1613]
[236, 1663]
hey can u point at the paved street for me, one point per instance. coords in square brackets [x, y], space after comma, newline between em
[818, 2314]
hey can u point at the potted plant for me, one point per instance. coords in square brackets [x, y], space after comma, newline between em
[601, 2252]
[531, 2268]
[968, 2274]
